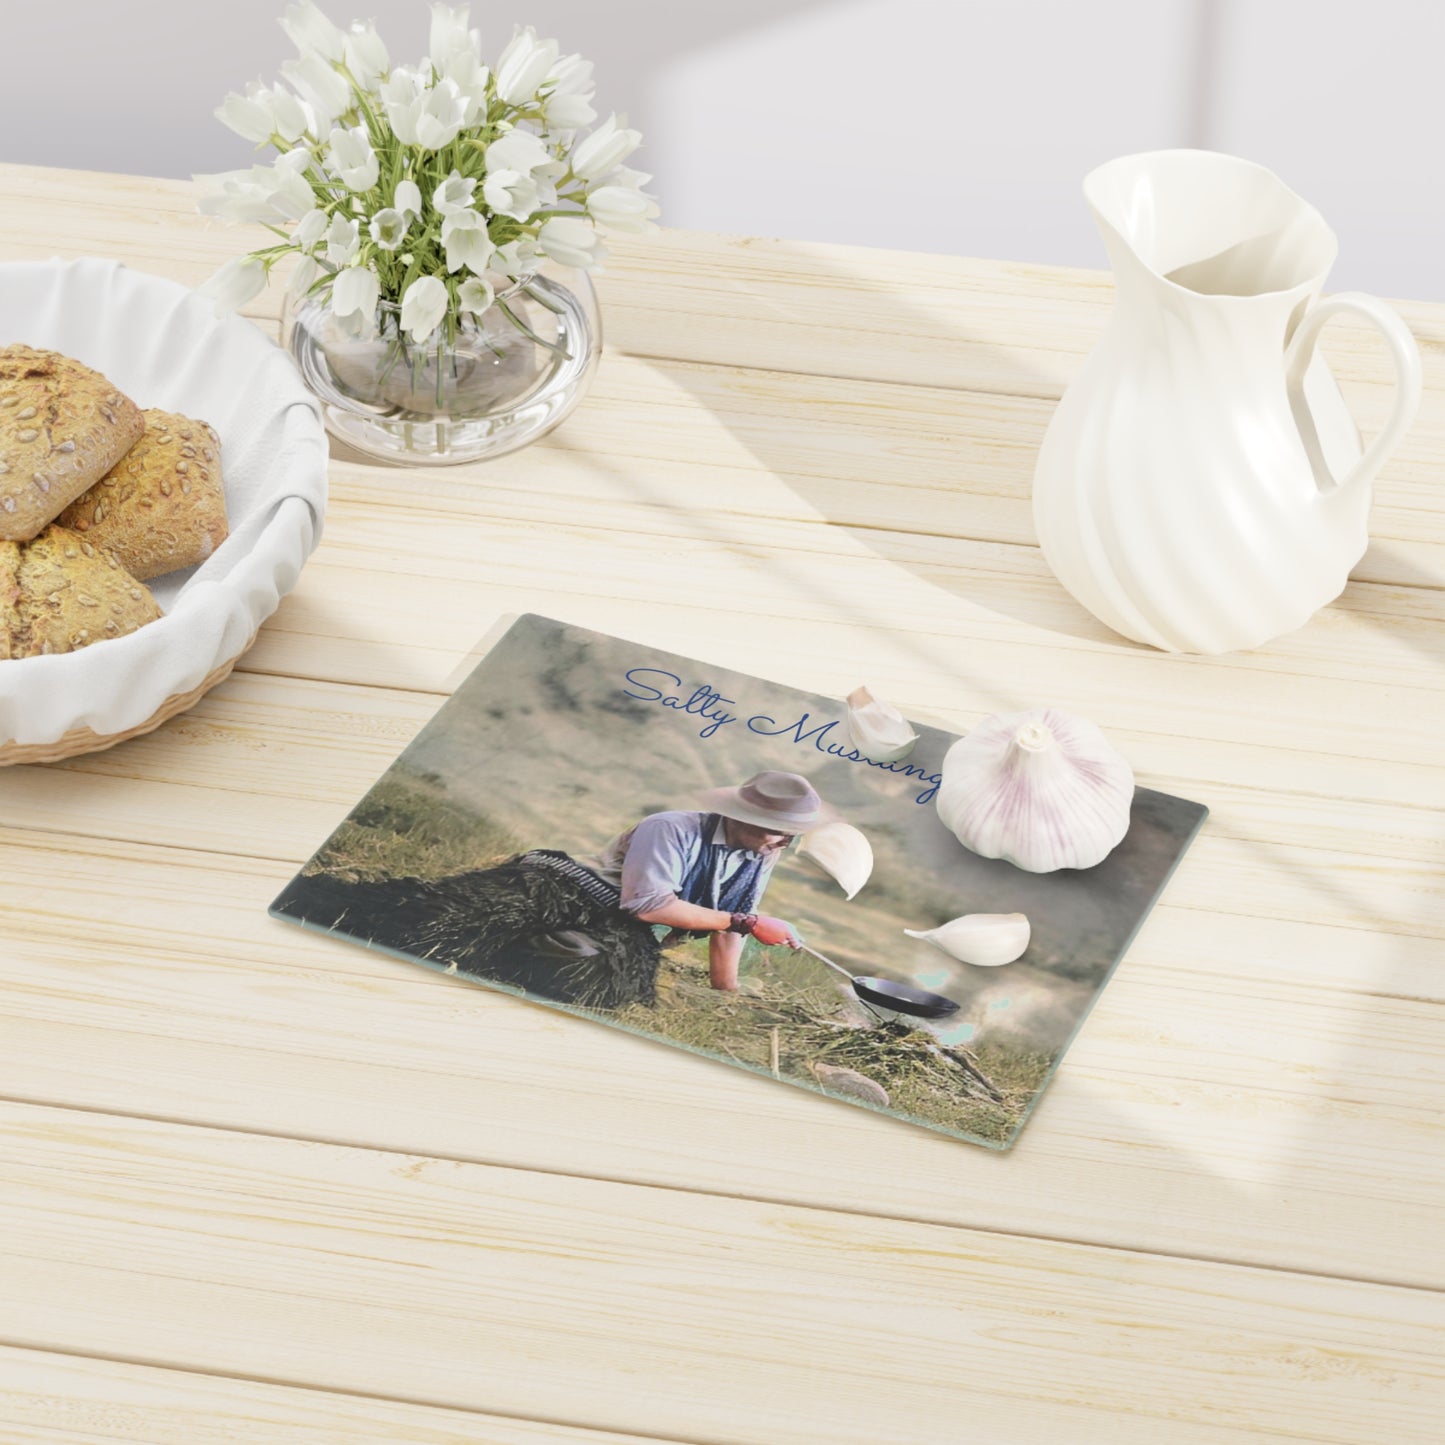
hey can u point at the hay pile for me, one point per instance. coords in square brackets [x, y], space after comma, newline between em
[816, 1036]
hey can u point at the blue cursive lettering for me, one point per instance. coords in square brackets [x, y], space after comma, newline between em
[704, 702]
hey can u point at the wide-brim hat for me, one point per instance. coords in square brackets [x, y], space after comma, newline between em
[779, 802]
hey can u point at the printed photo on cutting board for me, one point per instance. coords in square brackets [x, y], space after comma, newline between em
[670, 848]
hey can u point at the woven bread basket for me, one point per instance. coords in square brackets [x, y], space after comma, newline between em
[164, 347]
[83, 740]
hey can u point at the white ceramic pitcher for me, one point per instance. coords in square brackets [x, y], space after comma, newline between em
[1202, 486]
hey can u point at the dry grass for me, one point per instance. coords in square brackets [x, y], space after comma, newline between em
[818, 1025]
[406, 826]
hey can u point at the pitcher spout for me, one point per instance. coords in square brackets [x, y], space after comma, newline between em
[1206, 224]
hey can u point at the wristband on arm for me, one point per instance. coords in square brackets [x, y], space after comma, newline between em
[742, 923]
[773, 931]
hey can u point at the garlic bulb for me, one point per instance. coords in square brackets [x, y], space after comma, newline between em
[877, 729]
[841, 851]
[984, 939]
[1042, 789]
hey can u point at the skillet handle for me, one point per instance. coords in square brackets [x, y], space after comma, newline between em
[837, 967]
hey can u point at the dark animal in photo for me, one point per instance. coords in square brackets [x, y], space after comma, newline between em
[513, 924]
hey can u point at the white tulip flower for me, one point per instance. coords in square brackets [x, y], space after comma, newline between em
[407, 199]
[312, 228]
[512, 187]
[308, 268]
[624, 176]
[568, 104]
[342, 240]
[518, 150]
[240, 280]
[423, 305]
[245, 115]
[355, 291]
[572, 240]
[292, 194]
[237, 195]
[388, 227]
[609, 145]
[289, 118]
[456, 55]
[511, 194]
[325, 89]
[454, 194]
[449, 36]
[464, 235]
[261, 193]
[429, 117]
[516, 258]
[476, 295]
[442, 115]
[621, 208]
[466, 71]
[352, 159]
[525, 64]
[310, 31]
[366, 56]
[402, 94]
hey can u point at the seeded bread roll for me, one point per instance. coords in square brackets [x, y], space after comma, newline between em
[62, 427]
[162, 506]
[59, 593]
[9, 598]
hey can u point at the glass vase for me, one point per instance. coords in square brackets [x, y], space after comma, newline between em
[480, 386]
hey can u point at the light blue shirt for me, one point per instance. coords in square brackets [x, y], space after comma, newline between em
[649, 862]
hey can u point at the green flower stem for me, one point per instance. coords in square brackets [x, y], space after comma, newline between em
[552, 346]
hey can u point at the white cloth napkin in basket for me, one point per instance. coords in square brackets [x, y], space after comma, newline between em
[163, 346]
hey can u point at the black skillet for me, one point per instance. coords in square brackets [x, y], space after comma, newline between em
[902, 998]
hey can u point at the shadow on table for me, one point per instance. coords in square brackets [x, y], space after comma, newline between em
[1212, 1122]
[1287, 1167]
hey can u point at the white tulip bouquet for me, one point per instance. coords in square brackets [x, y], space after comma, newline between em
[438, 187]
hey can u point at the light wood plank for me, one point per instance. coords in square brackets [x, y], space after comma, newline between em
[808, 307]
[924, 462]
[615, 1306]
[50, 1399]
[1375, 633]
[935, 324]
[1222, 1099]
[365, 611]
[924, 457]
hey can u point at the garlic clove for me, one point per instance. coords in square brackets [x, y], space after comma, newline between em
[841, 851]
[877, 729]
[1043, 790]
[986, 940]
[850, 1082]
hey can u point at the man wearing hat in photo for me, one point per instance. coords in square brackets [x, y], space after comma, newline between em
[706, 872]
[586, 931]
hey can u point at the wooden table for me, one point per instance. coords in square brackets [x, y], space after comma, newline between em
[260, 1186]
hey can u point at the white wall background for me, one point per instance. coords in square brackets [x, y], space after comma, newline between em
[943, 125]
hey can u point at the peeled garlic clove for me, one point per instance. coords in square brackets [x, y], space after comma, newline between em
[1041, 789]
[841, 851]
[984, 939]
[877, 729]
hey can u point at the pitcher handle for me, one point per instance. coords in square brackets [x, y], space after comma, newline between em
[1403, 351]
